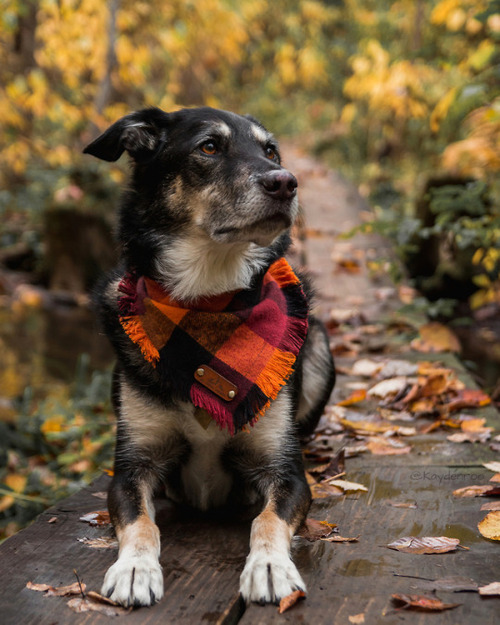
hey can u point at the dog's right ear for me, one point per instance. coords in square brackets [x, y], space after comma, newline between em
[141, 134]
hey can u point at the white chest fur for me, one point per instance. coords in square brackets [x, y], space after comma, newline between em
[150, 425]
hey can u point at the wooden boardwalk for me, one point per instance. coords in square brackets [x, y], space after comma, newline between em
[202, 556]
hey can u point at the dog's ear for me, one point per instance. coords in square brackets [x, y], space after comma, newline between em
[141, 134]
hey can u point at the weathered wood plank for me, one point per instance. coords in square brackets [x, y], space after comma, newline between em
[358, 578]
[201, 559]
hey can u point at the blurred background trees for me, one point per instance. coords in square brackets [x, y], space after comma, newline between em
[391, 92]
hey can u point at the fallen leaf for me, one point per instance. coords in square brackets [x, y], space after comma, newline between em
[491, 505]
[470, 437]
[354, 398]
[490, 526]
[422, 602]
[347, 486]
[389, 387]
[288, 602]
[423, 406]
[425, 545]
[468, 398]
[334, 468]
[495, 478]
[477, 490]
[336, 538]
[366, 368]
[322, 490]
[52, 520]
[492, 466]
[59, 591]
[348, 265]
[106, 542]
[472, 425]
[100, 494]
[312, 529]
[357, 619]
[93, 602]
[402, 504]
[99, 518]
[490, 589]
[393, 368]
[436, 337]
[380, 446]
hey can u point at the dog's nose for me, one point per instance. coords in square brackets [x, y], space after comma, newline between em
[280, 184]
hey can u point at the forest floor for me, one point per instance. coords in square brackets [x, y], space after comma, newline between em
[404, 471]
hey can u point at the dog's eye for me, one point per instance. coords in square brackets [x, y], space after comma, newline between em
[209, 148]
[271, 153]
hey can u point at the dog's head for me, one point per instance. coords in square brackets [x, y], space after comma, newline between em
[204, 169]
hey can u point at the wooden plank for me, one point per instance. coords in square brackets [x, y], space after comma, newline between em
[201, 558]
[345, 580]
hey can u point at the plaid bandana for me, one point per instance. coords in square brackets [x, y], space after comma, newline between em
[229, 354]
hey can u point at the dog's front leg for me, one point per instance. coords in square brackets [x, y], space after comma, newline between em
[269, 573]
[136, 577]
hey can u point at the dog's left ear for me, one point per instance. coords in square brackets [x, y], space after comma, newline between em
[140, 134]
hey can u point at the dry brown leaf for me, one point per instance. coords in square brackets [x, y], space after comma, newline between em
[424, 603]
[468, 398]
[336, 538]
[357, 619]
[106, 542]
[366, 368]
[288, 602]
[423, 406]
[335, 467]
[99, 518]
[345, 485]
[93, 602]
[495, 478]
[349, 265]
[389, 387]
[313, 530]
[58, 591]
[472, 425]
[491, 505]
[425, 545]
[380, 446]
[354, 398]
[492, 466]
[436, 337]
[402, 504]
[490, 589]
[477, 490]
[490, 526]
[320, 491]
[470, 437]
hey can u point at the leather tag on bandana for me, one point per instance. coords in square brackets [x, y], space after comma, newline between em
[216, 383]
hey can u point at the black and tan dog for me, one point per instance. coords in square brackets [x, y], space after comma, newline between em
[220, 366]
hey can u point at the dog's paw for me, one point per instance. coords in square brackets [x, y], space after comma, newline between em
[268, 577]
[134, 581]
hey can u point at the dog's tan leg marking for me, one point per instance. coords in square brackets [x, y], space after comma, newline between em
[136, 577]
[269, 573]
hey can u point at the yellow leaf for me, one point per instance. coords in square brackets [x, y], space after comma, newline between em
[53, 424]
[435, 337]
[16, 482]
[490, 526]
